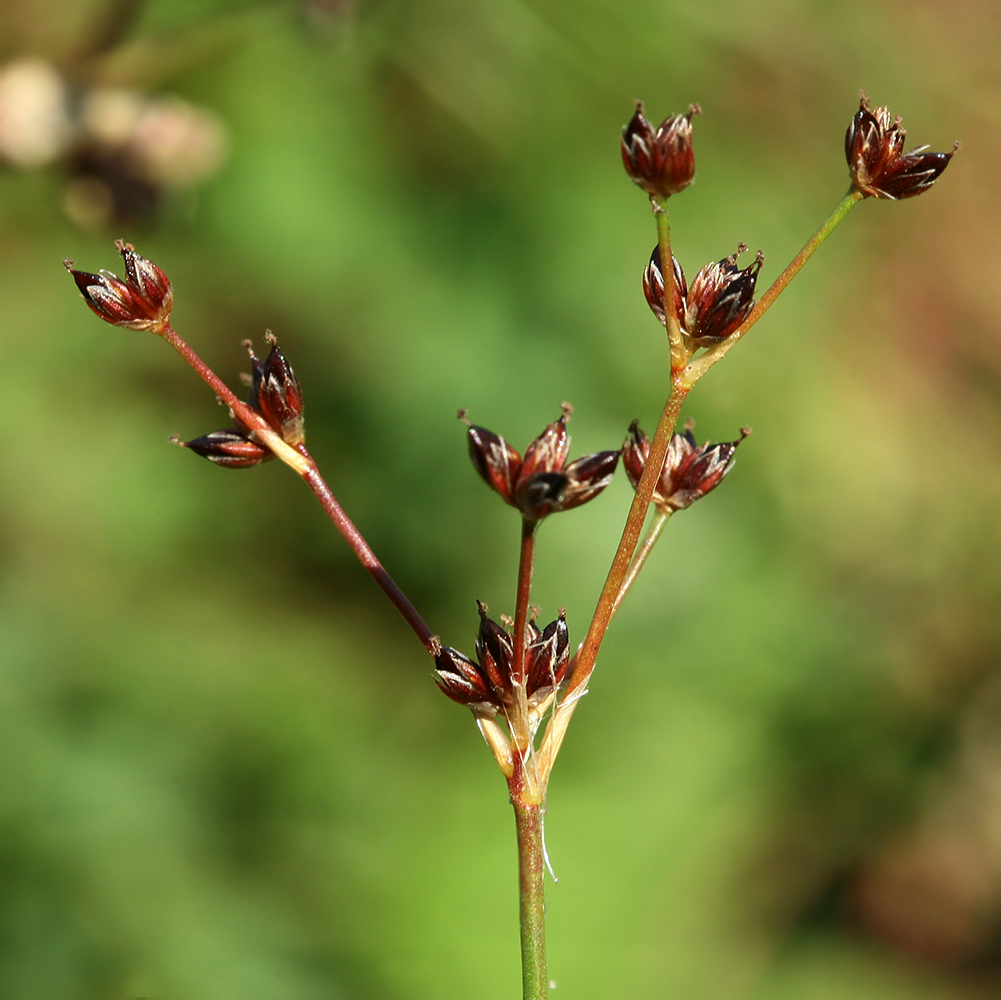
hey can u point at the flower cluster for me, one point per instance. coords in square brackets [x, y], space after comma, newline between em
[879, 168]
[660, 160]
[519, 669]
[275, 395]
[542, 482]
[141, 302]
[485, 684]
[690, 470]
[718, 301]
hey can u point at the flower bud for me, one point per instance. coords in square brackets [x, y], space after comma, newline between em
[230, 448]
[279, 396]
[719, 299]
[276, 396]
[878, 166]
[690, 471]
[494, 459]
[653, 288]
[542, 482]
[275, 393]
[548, 452]
[661, 161]
[141, 302]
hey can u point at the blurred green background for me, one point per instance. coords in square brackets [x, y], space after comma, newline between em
[224, 768]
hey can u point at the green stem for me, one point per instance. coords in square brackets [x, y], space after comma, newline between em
[531, 871]
[701, 365]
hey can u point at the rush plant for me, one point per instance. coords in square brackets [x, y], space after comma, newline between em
[524, 678]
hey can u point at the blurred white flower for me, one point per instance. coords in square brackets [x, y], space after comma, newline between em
[177, 143]
[35, 127]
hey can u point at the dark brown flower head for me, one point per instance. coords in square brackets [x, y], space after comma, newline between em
[276, 396]
[879, 167]
[230, 448]
[542, 482]
[690, 471]
[661, 161]
[141, 302]
[485, 684]
[653, 287]
[719, 299]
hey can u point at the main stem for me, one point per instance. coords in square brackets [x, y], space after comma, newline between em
[679, 352]
[300, 460]
[531, 872]
[651, 472]
[627, 544]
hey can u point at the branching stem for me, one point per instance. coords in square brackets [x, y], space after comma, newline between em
[641, 556]
[300, 460]
[585, 659]
[685, 373]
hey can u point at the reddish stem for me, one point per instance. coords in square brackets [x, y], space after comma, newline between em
[520, 728]
[300, 459]
[526, 563]
[583, 663]
[627, 544]
[367, 557]
[639, 561]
